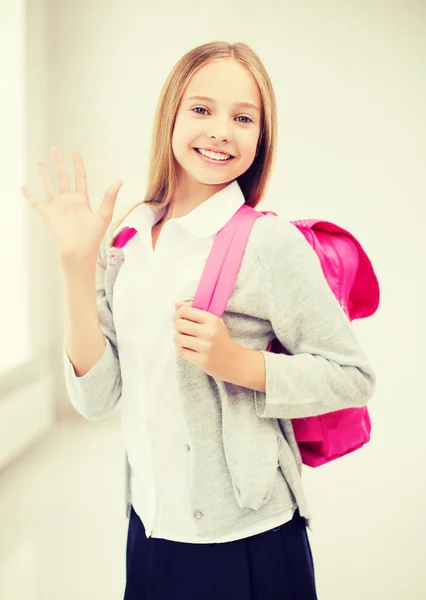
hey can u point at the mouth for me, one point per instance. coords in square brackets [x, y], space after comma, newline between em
[212, 160]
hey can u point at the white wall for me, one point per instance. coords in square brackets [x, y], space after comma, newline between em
[349, 79]
[28, 378]
[14, 313]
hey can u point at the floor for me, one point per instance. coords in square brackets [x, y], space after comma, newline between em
[62, 524]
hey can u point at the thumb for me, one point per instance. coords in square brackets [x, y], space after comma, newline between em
[108, 202]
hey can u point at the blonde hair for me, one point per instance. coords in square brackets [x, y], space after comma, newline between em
[162, 172]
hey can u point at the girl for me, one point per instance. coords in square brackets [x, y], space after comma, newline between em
[214, 496]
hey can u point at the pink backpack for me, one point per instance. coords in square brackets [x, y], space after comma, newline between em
[351, 277]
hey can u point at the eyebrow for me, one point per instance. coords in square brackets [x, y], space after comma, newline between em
[207, 99]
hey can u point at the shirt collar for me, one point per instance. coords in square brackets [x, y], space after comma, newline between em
[203, 221]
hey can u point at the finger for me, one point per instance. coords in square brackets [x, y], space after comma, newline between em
[188, 342]
[194, 314]
[176, 313]
[63, 181]
[80, 173]
[109, 199]
[178, 303]
[45, 179]
[188, 328]
[32, 199]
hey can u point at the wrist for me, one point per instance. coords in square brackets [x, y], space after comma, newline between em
[249, 369]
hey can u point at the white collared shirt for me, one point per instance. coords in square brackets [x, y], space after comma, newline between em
[154, 429]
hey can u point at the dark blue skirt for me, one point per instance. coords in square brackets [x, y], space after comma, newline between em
[274, 565]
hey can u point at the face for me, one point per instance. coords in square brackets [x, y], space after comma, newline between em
[221, 122]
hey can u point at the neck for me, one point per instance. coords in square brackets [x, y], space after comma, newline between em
[187, 195]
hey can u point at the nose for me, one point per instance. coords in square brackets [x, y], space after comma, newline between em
[220, 130]
[223, 138]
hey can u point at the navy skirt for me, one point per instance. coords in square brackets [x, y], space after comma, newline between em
[273, 565]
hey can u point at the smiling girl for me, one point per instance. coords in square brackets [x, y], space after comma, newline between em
[214, 494]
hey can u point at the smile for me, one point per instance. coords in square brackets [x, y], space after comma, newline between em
[213, 157]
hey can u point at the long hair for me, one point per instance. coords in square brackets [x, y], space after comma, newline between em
[162, 176]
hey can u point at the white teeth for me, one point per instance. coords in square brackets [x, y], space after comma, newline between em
[214, 155]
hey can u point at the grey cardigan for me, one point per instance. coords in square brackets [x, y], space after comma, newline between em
[245, 464]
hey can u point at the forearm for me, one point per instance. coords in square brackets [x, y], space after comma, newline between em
[83, 338]
[248, 369]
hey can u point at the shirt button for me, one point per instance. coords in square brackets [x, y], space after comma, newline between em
[198, 514]
[186, 447]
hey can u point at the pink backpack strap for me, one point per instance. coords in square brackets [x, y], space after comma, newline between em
[123, 237]
[224, 261]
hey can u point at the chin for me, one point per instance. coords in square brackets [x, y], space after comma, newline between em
[213, 181]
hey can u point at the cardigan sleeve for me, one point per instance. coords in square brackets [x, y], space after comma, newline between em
[95, 394]
[327, 369]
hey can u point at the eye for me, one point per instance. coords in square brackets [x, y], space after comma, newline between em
[244, 117]
[240, 117]
[198, 107]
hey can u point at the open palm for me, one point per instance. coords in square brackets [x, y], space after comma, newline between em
[77, 231]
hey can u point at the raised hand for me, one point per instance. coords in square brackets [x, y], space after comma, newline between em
[77, 231]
